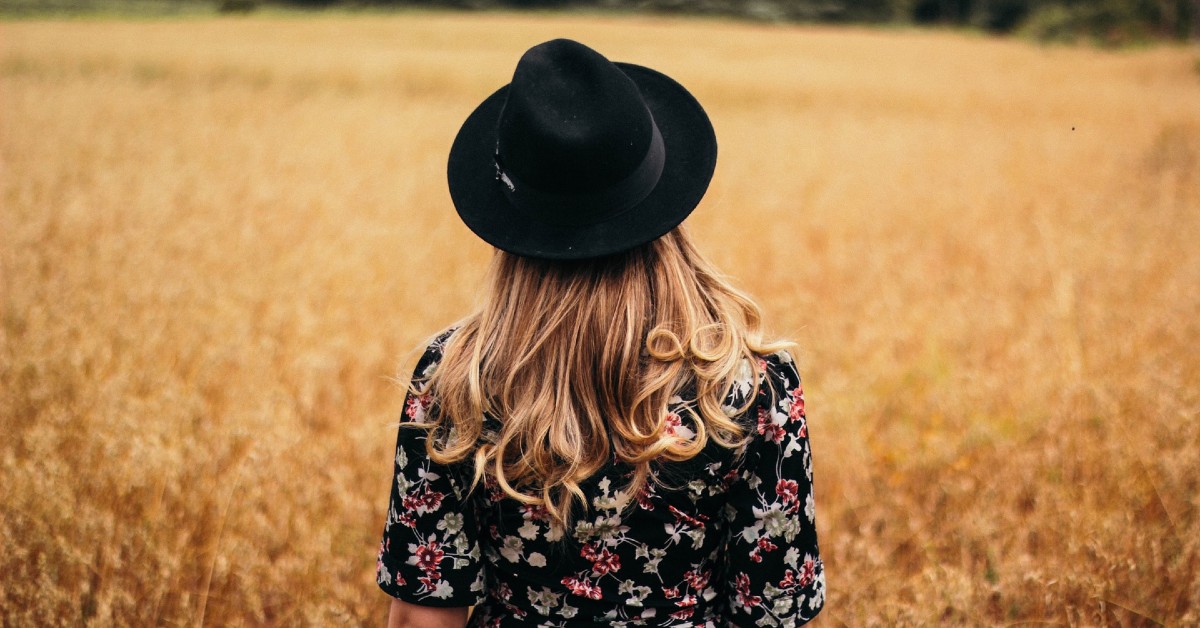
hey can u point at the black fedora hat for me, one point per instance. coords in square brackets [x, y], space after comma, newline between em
[579, 157]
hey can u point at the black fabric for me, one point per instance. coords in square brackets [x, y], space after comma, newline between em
[587, 208]
[571, 122]
[537, 147]
[727, 538]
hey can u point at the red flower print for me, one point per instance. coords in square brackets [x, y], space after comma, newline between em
[774, 433]
[681, 516]
[643, 497]
[665, 561]
[416, 406]
[514, 609]
[380, 568]
[431, 499]
[697, 579]
[808, 571]
[534, 512]
[789, 490]
[582, 588]
[429, 556]
[764, 545]
[430, 580]
[796, 411]
[729, 478]
[742, 585]
[670, 422]
[789, 580]
[767, 428]
[764, 419]
[606, 562]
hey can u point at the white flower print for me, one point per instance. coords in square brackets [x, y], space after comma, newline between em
[656, 557]
[529, 531]
[753, 481]
[543, 599]
[726, 539]
[673, 427]
[775, 521]
[637, 595]
[451, 523]
[792, 558]
[743, 383]
[512, 548]
[793, 445]
[584, 531]
[607, 528]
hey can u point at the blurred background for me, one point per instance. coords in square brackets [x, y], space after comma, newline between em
[224, 230]
[1110, 22]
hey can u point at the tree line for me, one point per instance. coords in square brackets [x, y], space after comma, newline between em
[1112, 22]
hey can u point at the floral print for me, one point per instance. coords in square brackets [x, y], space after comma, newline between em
[724, 539]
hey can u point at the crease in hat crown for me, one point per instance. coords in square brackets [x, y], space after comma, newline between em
[574, 124]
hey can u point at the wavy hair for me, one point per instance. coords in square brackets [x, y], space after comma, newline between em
[578, 360]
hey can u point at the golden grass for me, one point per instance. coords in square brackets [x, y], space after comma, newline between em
[219, 238]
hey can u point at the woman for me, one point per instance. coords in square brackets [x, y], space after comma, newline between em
[608, 440]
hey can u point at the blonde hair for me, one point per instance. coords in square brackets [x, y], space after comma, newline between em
[578, 361]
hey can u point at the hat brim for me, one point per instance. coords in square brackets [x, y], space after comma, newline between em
[691, 157]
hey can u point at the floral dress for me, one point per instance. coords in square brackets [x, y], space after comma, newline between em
[726, 538]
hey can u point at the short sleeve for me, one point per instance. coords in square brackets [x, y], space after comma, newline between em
[774, 570]
[430, 552]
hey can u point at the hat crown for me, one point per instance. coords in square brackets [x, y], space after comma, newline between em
[572, 121]
[579, 157]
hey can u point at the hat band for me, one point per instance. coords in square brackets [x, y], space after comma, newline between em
[575, 209]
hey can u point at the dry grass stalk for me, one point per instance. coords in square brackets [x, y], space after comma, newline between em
[218, 238]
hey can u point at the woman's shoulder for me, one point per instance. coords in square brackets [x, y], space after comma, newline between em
[780, 368]
[773, 374]
[431, 355]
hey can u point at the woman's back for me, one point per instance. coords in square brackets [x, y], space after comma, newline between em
[725, 537]
[608, 439]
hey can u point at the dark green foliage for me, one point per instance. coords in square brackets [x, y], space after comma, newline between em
[1112, 22]
[1107, 22]
[1103, 21]
[237, 6]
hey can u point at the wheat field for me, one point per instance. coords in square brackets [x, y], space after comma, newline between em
[221, 240]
